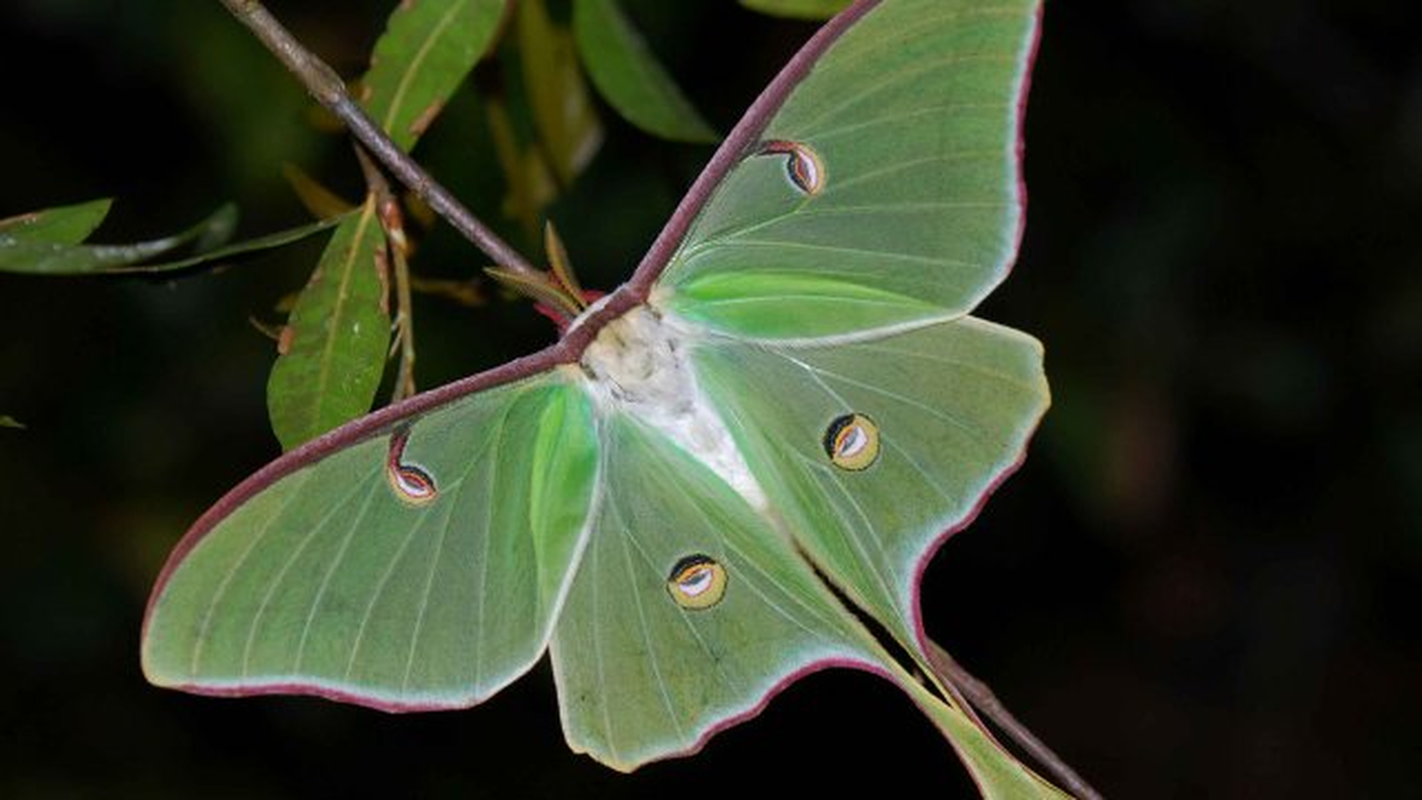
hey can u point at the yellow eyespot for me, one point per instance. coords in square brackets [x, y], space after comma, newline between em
[802, 166]
[697, 582]
[852, 442]
[411, 483]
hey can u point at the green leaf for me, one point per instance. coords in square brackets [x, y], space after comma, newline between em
[48, 258]
[797, 9]
[562, 108]
[267, 242]
[426, 51]
[60, 225]
[629, 77]
[7, 421]
[49, 254]
[333, 348]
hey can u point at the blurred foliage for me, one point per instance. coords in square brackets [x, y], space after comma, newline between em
[48, 241]
[1198, 584]
[619, 63]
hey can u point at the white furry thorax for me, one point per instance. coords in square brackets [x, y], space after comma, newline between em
[637, 365]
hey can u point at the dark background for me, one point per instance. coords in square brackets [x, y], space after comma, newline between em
[1200, 583]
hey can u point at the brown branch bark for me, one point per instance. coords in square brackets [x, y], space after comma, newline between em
[329, 90]
[396, 246]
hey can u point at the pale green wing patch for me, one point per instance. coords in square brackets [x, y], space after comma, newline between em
[795, 304]
[642, 675]
[903, 178]
[420, 568]
[949, 409]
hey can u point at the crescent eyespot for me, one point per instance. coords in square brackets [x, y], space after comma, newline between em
[852, 442]
[697, 582]
[802, 164]
[410, 482]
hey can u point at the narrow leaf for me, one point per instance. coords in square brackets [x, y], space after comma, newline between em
[39, 256]
[559, 264]
[562, 108]
[427, 49]
[333, 348]
[70, 224]
[51, 259]
[539, 287]
[797, 9]
[629, 76]
[244, 247]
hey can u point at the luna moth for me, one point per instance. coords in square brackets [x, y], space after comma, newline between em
[695, 495]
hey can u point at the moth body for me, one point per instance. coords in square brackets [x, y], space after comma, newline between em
[638, 365]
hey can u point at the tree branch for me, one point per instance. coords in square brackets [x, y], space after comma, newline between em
[329, 90]
[980, 695]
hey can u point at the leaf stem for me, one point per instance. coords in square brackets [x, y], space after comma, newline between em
[982, 698]
[404, 327]
[397, 247]
[329, 90]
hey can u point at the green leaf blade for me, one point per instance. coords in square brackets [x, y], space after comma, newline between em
[798, 9]
[241, 248]
[48, 254]
[630, 78]
[562, 108]
[69, 224]
[426, 51]
[339, 333]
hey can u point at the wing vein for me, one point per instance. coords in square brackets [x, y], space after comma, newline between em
[227, 577]
[291, 559]
[326, 579]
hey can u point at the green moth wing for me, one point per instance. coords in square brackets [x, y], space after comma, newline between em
[688, 611]
[885, 188]
[420, 563]
[884, 446]
[692, 608]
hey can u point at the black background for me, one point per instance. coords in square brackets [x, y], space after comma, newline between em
[1200, 583]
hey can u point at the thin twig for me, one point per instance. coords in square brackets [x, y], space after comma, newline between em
[404, 327]
[329, 90]
[397, 246]
[982, 698]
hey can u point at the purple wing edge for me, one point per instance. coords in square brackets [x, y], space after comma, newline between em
[566, 350]
[996, 481]
[761, 703]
